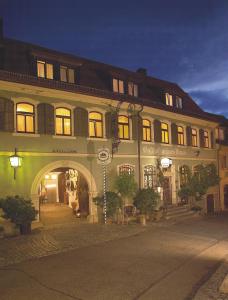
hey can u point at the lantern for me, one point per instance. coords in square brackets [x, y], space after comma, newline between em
[15, 162]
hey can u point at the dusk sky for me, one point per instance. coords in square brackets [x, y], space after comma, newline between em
[181, 41]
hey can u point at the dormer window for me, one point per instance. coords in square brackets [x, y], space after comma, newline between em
[66, 74]
[168, 99]
[118, 86]
[179, 102]
[132, 89]
[44, 70]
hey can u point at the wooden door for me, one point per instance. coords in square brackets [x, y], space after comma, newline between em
[210, 204]
[167, 190]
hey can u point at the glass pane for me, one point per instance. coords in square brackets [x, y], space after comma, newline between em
[25, 107]
[121, 87]
[91, 129]
[146, 122]
[135, 90]
[62, 112]
[29, 124]
[49, 70]
[95, 116]
[126, 132]
[71, 75]
[148, 134]
[67, 127]
[115, 85]
[59, 128]
[20, 123]
[40, 69]
[121, 133]
[130, 88]
[99, 129]
[164, 126]
[123, 119]
[63, 73]
[144, 134]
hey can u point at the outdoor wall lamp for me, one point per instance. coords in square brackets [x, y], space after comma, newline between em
[15, 162]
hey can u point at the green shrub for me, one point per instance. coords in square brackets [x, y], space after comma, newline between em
[18, 210]
[125, 184]
[114, 202]
[146, 200]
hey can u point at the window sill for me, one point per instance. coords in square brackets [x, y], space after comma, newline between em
[97, 139]
[147, 143]
[32, 135]
[64, 137]
[127, 141]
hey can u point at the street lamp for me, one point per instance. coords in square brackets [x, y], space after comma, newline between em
[15, 162]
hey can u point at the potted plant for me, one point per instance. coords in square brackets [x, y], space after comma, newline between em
[145, 201]
[113, 203]
[20, 211]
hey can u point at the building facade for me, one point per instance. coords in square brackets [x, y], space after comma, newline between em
[58, 110]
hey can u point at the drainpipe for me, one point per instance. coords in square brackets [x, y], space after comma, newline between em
[139, 145]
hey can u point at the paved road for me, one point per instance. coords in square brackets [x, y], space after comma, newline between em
[167, 261]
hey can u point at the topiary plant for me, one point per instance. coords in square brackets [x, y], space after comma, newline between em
[146, 200]
[20, 211]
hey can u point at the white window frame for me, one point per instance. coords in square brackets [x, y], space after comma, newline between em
[125, 164]
[169, 99]
[71, 108]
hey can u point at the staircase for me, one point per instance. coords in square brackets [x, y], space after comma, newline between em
[178, 212]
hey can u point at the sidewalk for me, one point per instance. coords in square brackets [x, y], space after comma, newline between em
[60, 238]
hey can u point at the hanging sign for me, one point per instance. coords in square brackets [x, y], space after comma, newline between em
[103, 156]
[166, 162]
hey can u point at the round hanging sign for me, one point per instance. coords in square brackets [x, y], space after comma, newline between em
[103, 156]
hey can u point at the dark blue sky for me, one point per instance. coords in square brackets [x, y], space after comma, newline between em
[183, 41]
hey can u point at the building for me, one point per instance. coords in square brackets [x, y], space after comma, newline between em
[58, 110]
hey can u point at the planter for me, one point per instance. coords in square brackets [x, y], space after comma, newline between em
[25, 228]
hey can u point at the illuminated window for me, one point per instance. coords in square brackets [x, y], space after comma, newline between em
[205, 139]
[126, 169]
[44, 70]
[194, 137]
[165, 133]
[118, 86]
[25, 117]
[168, 99]
[66, 74]
[95, 124]
[123, 127]
[62, 121]
[132, 89]
[149, 177]
[183, 175]
[180, 135]
[178, 102]
[146, 124]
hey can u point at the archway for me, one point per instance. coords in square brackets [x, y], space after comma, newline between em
[87, 179]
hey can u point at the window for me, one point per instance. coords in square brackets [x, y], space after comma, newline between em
[123, 127]
[205, 139]
[44, 70]
[132, 89]
[165, 133]
[180, 135]
[168, 99]
[146, 126]
[95, 124]
[149, 177]
[25, 118]
[183, 175]
[126, 169]
[62, 121]
[194, 137]
[220, 134]
[118, 86]
[66, 74]
[178, 102]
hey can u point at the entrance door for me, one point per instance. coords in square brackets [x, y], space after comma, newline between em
[210, 204]
[226, 196]
[167, 190]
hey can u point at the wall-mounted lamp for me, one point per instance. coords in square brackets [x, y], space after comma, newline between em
[15, 162]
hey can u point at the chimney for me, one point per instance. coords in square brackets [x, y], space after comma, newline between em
[1, 28]
[142, 71]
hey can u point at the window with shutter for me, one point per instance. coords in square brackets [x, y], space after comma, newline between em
[63, 121]
[25, 118]
[164, 133]
[146, 128]
[95, 124]
[180, 135]
[123, 127]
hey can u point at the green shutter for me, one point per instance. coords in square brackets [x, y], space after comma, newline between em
[81, 122]
[6, 115]
[201, 138]
[174, 134]
[108, 125]
[189, 135]
[2, 114]
[157, 131]
[46, 119]
[212, 139]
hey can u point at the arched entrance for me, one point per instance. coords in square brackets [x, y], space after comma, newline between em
[49, 187]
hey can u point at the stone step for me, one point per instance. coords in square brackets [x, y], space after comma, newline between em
[185, 214]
